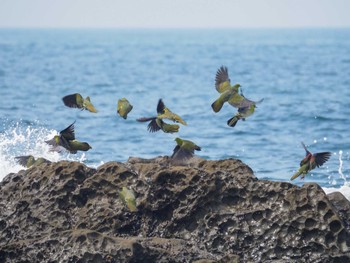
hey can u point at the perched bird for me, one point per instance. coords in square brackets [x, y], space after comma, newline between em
[166, 113]
[29, 160]
[184, 150]
[66, 139]
[124, 107]
[128, 198]
[310, 162]
[77, 101]
[223, 86]
[157, 123]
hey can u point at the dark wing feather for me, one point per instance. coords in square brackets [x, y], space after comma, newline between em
[321, 158]
[68, 133]
[221, 76]
[22, 160]
[71, 101]
[145, 119]
[181, 154]
[160, 107]
[307, 152]
[153, 126]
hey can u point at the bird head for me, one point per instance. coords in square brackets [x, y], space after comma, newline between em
[178, 140]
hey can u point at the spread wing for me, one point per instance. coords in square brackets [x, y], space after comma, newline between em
[73, 100]
[160, 107]
[321, 158]
[153, 126]
[68, 133]
[222, 81]
[181, 154]
[22, 160]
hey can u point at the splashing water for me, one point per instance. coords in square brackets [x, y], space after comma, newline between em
[345, 188]
[28, 140]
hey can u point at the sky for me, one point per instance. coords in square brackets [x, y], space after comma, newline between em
[174, 13]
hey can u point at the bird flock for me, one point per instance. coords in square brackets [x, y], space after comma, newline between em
[184, 149]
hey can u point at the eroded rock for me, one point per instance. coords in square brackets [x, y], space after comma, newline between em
[207, 211]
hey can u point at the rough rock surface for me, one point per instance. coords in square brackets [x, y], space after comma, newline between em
[207, 211]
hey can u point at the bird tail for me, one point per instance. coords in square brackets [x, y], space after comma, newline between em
[89, 106]
[217, 105]
[295, 175]
[233, 121]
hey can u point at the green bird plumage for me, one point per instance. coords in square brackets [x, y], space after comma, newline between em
[124, 107]
[128, 198]
[66, 139]
[77, 101]
[157, 123]
[223, 86]
[242, 114]
[166, 113]
[29, 160]
[184, 150]
[310, 162]
[230, 94]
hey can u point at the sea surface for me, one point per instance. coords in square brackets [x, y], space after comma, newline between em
[302, 74]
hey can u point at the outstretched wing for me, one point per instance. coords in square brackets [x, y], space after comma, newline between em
[160, 107]
[68, 133]
[222, 81]
[23, 160]
[153, 126]
[181, 154]
[307, 152]
[73, 100]
[321, 158]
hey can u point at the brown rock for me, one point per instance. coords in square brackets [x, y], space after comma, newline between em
[206, 211]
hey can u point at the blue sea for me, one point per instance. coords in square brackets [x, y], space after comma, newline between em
[302, 74]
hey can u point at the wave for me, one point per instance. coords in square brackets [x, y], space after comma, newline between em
[23, 139]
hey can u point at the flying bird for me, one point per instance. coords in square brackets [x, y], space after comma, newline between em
[184, 150]
[77, 101]
[166, 113]
[157, 122]
[246, 109]
[128, 198]
[124, 107]
[66, 139]
[310, 162]
[29, 160]
[223, 86]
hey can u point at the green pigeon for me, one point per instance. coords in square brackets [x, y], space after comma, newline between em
[29, 160]
[247, 108]
[223, 86]
[166, 113]
[157, 123]
[184, 150]
[77, 101]
[128, 198]
[124, 107]
[310, 162]
[66, 139]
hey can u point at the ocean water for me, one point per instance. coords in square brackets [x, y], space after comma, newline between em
[303, 76]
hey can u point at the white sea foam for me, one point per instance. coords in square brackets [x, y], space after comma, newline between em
[29, 140]
[345, 188]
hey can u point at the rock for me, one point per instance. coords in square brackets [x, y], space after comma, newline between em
[343, 207]
[206, 211]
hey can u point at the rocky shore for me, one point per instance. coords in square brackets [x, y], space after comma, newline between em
[207, 211]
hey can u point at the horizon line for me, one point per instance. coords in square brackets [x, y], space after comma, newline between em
[171, 28]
